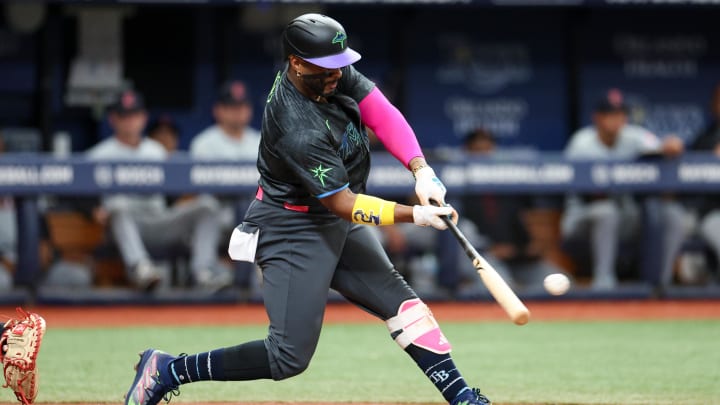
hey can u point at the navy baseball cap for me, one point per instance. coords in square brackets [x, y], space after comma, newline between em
[128, 102]
[612, 101]
[233, 93]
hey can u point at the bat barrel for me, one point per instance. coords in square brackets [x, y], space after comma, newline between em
[503, 294]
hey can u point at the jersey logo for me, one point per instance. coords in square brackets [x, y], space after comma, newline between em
[351, 139]
[339, 39]
[320, 173]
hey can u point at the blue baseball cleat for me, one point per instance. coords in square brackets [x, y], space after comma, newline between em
[151, 380]
[471, 397]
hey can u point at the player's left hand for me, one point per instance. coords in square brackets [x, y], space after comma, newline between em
[428, 186]
[428, 215]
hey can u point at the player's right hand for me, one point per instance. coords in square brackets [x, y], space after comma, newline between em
[428, 215]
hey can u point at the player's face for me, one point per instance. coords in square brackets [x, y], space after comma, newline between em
[321, 81]
[481, 146]
[129, 124]
[167, 138]
[235, 116]
[610, 123]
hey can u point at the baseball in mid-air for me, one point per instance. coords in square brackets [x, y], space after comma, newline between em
[556, 283]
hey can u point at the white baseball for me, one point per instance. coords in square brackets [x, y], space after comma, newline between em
[556, 283]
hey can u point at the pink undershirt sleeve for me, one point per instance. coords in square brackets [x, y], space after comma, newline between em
[390, 127]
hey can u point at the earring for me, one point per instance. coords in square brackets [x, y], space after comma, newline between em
[298, 73]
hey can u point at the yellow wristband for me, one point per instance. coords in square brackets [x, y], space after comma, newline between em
[369, 210]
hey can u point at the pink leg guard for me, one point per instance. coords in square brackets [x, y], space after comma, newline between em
[418, 326]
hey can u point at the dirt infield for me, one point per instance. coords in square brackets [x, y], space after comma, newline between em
[240, 314]
[260, 403]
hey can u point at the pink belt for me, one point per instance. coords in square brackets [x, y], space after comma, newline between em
[292, 207]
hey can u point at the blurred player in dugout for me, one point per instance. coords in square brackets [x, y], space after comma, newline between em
[706, 207]
[608, 219]
[231, 138]
[139, 222]
[8, 236]
[165, 132]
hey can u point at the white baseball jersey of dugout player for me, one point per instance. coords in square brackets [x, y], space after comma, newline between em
[632, 142]
[148, 150]
[214, 143]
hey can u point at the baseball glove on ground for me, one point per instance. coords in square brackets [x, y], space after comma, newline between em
[20, 343]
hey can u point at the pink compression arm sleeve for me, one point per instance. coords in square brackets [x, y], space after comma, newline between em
[390, 127]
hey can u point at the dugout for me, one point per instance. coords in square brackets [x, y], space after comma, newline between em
[529, 70]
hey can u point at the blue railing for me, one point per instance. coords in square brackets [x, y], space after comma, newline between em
[542, 173]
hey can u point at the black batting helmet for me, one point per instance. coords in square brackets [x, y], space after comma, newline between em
[320, 40]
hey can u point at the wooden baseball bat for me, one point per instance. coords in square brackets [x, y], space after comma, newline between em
[503, 294]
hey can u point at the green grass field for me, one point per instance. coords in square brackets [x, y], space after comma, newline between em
[649, 362]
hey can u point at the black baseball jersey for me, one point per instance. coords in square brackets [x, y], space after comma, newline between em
[311, 150]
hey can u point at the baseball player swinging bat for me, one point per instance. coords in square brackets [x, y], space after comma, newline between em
[503, 294]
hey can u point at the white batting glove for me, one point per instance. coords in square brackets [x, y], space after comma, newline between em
[428, 186]
[430, 215]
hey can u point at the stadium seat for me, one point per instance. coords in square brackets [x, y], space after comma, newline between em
[77, 238]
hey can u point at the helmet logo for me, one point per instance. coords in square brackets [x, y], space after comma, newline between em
[340, 38]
